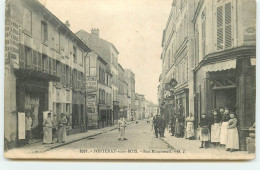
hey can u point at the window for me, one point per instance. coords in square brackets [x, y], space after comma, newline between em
[28, 56]
[196, 46]
[203, 33]
[74, 54]
[27, 20]
[57, 41]
[45, 63]
[224, 28]
[80, 57]
[44, 32]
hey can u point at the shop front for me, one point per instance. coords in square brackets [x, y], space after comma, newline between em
[231, 84]
[105, 118]
[32, 98]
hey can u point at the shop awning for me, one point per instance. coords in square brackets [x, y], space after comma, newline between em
[220, 66]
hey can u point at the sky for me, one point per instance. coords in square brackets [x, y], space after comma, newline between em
[135, 27]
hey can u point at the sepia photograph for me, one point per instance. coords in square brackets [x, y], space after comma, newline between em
[130, 80]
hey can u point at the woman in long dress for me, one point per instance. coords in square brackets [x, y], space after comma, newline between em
[204, 131]
[190, 126]
[121, 127]
[224, 124]
[215, 127]
[47, 130]
[232, 134]
[62, 129]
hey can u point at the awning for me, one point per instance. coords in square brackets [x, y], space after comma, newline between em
[220, 66]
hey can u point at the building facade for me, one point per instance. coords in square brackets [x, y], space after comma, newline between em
[109, 53]
[44, 70]
[225, 54]
[98, 91]
[129, 77]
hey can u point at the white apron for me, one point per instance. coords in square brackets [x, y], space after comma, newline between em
[223, 133]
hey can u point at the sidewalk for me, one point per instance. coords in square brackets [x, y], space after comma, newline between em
[39, 147]
[191, 147]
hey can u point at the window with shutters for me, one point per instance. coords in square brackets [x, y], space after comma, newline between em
[224, 26]
[40, 62]
[45, 63]
[203, 33]
[27, 21]
[57, 41]
[74, 54]
[196, 46]
[35, 60]
[44, 32]
[28, 57]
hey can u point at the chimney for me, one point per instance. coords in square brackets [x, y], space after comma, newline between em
[67, 24]
[95, 32]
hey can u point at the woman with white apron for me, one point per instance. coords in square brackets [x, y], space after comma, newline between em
[121, 127]
[47, 130]
[224, 126]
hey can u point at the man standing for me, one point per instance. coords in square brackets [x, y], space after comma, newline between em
[28, 127]
[156, 123]
[162, 126]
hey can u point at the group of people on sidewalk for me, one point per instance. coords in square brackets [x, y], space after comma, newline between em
[53, 130]
[219, 129]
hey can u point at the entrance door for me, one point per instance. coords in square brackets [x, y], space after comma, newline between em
[225, 98]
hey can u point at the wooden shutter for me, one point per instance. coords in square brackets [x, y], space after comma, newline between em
[219, 27]
[203, 38]
[35, 60]
[39, 61]
[228, 32]
[50, 66]
[22, 56]
[54, 67]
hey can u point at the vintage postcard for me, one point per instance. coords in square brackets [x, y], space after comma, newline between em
[130, 80]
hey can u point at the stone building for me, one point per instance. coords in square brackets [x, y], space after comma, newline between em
[98, 91]
[176, 80]
[129, 77]
[109, 53]
[44, 70]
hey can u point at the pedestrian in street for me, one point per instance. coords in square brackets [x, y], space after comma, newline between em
[28, 127]
[204, 131]
[62, 128]
[215, 127]
[190, 126]
[54, 129]
[162, 126]
[223, 133]
[172, 124]
[232, 134]
[47, 129]
[156, 122]
[121, 128]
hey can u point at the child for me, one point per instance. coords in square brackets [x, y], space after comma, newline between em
[204, 131]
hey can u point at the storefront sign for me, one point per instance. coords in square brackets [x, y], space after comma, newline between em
[21, 125]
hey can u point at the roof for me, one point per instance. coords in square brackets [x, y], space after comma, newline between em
[97, 44]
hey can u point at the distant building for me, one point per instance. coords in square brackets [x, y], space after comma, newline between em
[129, 77]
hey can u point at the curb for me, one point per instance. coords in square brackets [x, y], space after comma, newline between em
[76, 140]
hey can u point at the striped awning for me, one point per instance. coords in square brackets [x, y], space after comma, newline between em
[220, 66]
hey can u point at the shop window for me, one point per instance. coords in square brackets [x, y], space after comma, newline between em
[44, 32]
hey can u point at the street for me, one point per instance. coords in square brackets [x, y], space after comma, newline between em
[140, 139]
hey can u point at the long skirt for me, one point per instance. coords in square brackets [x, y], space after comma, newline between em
[232, 139]
[47, 137]
[215, 132]
[62, 134]
[204, 136]
[190, 129]
[177, 128]
[223, 133]
[122, 133]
